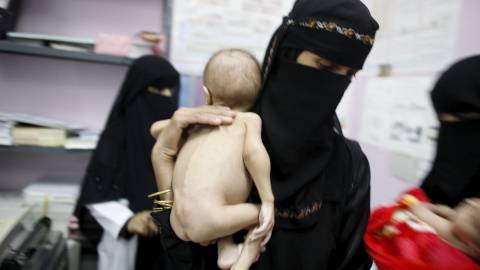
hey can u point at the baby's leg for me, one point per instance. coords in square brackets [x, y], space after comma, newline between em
[228, 252]
[224, 221]
[249, 254]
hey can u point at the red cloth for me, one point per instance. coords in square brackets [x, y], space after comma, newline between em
[398, 244]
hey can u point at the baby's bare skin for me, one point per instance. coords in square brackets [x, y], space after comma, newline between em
[212, 172]
[211, 182]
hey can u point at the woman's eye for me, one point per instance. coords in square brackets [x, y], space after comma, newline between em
[164, 91]
[324, 66]
[468, 115]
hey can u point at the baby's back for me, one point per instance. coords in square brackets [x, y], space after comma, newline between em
[209, 171]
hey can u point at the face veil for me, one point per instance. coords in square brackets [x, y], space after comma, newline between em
[297, 103]
[121, 167]
[300, 112]
[455, 174]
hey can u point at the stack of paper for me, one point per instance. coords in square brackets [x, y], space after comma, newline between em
[24, 129]
[38, 121]
[54, 41]
[55, 197]
[82, 141]
[38, 136]
[5, 132]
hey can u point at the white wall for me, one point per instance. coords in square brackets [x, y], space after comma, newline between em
[385, 187]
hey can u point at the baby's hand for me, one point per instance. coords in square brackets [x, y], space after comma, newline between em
[266, 221]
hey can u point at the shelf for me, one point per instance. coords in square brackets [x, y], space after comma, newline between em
[13, 47]
[38, 149]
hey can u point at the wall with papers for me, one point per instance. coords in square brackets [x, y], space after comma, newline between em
[415, 35]
[395, 121]
[391, 116]
[199, 28]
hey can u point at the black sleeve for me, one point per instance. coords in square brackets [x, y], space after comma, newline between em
[184, 255]
[124, 233]
[351, 247]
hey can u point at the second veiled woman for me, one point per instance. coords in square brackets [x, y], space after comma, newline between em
[120, 175]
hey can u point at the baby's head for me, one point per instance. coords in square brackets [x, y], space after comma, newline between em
[232, 78]
[466, 225]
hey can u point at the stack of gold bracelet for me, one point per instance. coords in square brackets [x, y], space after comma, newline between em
[162, 205]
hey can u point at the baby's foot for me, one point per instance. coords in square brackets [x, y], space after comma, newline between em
[228, 255]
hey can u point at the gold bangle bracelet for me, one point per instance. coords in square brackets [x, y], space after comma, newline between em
[160, 192]
[163, 205]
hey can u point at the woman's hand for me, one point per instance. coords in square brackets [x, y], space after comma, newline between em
[214, 115]
[442, 210]
[143, 224]
[210, 115]
[157, 127]
[170, 132]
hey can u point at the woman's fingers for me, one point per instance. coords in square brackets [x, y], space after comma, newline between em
[158, 127]
[152, 226]
[211, 115]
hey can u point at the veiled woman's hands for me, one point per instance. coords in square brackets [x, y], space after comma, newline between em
[143, 224]
[183, 117]
[211, 115]
[169, 132]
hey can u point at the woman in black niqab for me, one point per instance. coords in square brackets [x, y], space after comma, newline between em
[455, 174]
[120, 167]
[320, 179]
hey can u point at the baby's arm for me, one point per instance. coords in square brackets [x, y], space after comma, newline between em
[257, 161]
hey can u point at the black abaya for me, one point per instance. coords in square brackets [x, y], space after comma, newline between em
[120, 167]
[320, 179]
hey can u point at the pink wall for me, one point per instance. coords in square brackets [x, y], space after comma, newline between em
[85, 18]
[80, 92]
[68, 90]
[73, 91]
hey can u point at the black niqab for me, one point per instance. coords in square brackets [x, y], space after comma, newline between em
[121, 166]
[297, 105]
[455, 174]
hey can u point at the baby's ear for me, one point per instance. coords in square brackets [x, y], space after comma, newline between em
[208, 96]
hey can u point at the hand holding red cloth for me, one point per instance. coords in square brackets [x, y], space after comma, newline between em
[396, 239]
